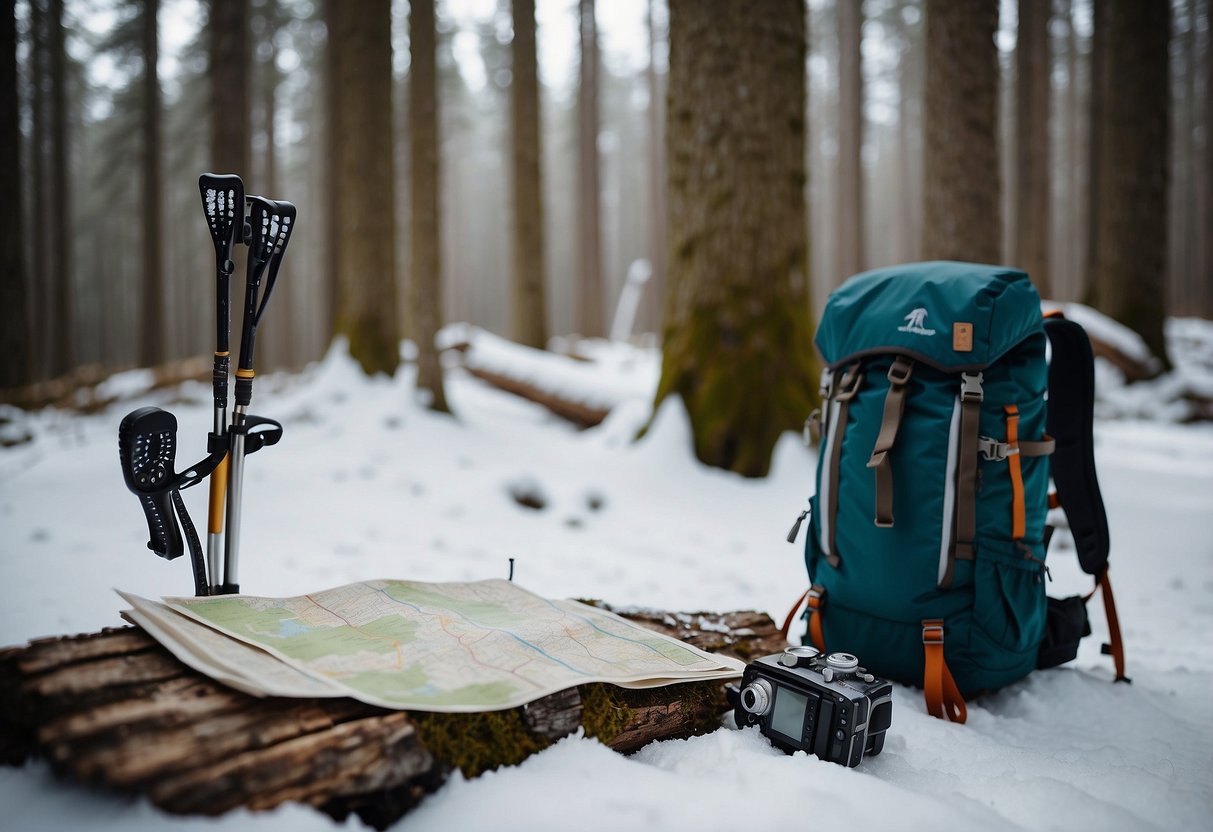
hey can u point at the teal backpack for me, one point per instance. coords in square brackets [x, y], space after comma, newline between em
[936, 444]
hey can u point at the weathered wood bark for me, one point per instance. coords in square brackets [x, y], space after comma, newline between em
[963, 217]
[40, 218]
[363, 196]
[1130, 264]
[231, 100]
[580, 414]
[1032, 195]
[15, 358]
[116, 710]
[425, 275]
[737, 331]
[850, 141]
[153, 329]
[528, 297]
[590, 320]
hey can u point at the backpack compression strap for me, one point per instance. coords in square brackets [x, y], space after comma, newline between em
[1071, 422]
[938, 687]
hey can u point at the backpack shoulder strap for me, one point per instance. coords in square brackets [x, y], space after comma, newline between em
[1071, 424]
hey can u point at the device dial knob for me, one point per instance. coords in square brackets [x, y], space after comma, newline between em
[798, 656]
[756, 697]
[842, 662]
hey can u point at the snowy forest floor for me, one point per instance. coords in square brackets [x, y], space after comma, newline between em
[366, 484]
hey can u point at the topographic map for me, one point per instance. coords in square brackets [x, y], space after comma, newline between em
[476, 646]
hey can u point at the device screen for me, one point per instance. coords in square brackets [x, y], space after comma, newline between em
[787, 718]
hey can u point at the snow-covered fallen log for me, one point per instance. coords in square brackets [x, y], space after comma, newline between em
[115, 709]
[582, 389]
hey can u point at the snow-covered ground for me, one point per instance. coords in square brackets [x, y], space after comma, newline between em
[366, 484]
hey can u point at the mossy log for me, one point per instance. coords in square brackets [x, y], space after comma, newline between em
[116, 710]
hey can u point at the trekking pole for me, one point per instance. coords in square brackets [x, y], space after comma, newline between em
[271, 224]
[223, 202]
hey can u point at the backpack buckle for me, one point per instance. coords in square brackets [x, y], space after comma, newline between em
[899, 373]
[815, 598]
[993, 450]
[932, 631]
[970, 387]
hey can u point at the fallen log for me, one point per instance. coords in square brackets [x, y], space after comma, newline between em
[114, 709]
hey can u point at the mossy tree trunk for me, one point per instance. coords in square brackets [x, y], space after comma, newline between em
[360, 54]
[1130, 264]
[528, 295]
[963, 218]
[737, 334]
[425, 277]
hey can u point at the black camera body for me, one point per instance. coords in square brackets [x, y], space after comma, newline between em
[826, 705]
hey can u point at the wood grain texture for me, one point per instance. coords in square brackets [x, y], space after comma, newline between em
[114, 709]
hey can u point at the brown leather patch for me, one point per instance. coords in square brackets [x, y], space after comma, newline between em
[962, 337]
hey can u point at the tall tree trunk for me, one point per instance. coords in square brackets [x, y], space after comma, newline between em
[1032, 197]
[1131, 258]
[850, 140]
[231, 101]
[590, 297]
[14, 315]
[963, 219]
[40, 214]
[527, 299]
[153, 342]
[364, 193]
[656, 177]
[736, 344]
[1097, 138]
[62, 347]
[1204, 213]
[1073, 227]
[425, 279]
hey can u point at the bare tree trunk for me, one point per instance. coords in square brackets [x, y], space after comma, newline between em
[14, 315]
[1097, 137]
[530, 280]
[963, 219]
[62, 337]
[231, 101]
[1032, 196]
[850, 140]
[364, 198]
[590, 299]
[425, 283]
[40, 251]
[656, 183]
[1132, 230]
[153, 341]
[737, 327]
[1204, 213]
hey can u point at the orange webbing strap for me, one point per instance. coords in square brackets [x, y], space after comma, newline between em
[1117, 645]
[1054, 500]
[787, 622]
[813, 595]
[938, 687]
[1018, 517]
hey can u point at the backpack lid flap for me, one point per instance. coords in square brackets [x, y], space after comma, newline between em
[953, 316]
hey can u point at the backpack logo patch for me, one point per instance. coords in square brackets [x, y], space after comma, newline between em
[915, 321]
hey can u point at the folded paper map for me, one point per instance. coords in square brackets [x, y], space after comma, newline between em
[450, 647]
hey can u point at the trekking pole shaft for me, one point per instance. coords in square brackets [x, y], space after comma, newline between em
[235, 491]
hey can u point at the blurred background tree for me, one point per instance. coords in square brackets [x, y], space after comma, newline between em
[1057, 115]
